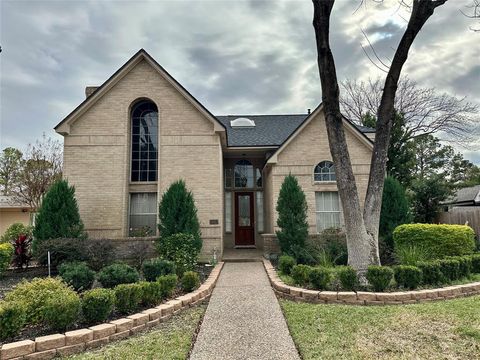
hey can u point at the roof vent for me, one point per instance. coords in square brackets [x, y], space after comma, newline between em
[242, 122]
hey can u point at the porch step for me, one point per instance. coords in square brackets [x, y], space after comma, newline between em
[242, 255]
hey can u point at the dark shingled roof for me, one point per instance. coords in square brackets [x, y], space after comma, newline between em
[269, 130]
[465, 195]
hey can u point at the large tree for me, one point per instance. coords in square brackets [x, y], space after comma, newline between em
[362, 226]
[425, 110]
[10, 169]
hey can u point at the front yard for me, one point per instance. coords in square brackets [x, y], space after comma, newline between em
[170, 340]
[437, 330]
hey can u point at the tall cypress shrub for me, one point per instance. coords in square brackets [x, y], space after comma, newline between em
[58, 216]
[395, 211]
[292, 220]
[178, 213]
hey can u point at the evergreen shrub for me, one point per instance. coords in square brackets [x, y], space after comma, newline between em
[300, 274]
[12, 318]
[62, 310]
[119, 273]
[347, 277]
[408, 276]
[97, 305]
[286, 263]
[190, 281]
[77, 274]
[320, 277]
[154, 268]
[127, 297]
[379, 277]
[168, 283]
[6, 254]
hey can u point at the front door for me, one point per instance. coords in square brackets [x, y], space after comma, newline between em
[244, 219]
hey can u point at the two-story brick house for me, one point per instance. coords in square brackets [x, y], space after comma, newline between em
[141, 130]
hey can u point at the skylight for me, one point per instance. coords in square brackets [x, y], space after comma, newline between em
[242, 122]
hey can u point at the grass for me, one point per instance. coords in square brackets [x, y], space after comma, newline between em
[170, 340]
[437, 330]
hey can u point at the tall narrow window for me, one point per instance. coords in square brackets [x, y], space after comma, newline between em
[260, 215]
[143, 213]
[144, 141]
[324, 171]
[228, 211]
[327, 210]
[243, 173]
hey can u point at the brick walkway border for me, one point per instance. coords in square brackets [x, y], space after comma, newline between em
[47, 347]
[367, 298]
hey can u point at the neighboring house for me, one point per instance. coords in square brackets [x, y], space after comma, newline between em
[469, 196]
[13, 212]
[141, 130]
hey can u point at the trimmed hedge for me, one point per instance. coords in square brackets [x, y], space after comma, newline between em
[475, 263]
[62, 310]
[439, 241]
[12, 318]
[168, 284]
[77, 274]
[431, 272]
[116, 274]
[379, 277]
[407, 276]
[347, 277]
[190, 281]
[320, 277]
[300, 274]
[286, 263]
[97, 305]
[154, 268]
[128, 297]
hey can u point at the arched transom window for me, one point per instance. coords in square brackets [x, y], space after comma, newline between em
[243, 173]
[324, 171]
[144, 141]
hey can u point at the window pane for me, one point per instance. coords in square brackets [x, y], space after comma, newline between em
[228, 212]
[327, 210]
[244, 210]
[143, 212]
[228, 178]
[324, 171]
[144, 140]
[259, 177]
[260, 215]
[243, 173]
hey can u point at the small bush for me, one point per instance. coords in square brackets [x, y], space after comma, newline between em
[379, 277]
[168, 283]
[475, 263]
[22, 253]
[410, 255]
[300, 274]
[78, 275]
[12, 318]
[116, 274]
[439, 241]
[408, 276]
[286, 263]
[320, 277]
[347, 277]
[154, 268]
[6, 254]
[151, 293]
[190, 281]
[62, 310]
[182, 249]
[61, 250]
[97, 305]
[431, 272]
[127, 297]
[450, 269]
[35, 294]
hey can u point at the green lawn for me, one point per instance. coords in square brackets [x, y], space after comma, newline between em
[437, 330]
[170, 340]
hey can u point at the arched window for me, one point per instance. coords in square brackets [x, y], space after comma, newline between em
[324, 171]
[144, 141]
[243, 174]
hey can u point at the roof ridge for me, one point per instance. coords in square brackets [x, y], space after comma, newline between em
[264, 115]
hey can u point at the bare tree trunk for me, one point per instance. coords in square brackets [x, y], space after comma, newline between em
[362, 228]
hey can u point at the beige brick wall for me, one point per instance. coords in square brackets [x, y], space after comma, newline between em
[302, 154]
[97, 156]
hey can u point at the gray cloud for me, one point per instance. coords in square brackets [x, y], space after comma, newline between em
[235, 57]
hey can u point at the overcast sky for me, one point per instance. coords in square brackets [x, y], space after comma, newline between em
[235, 57]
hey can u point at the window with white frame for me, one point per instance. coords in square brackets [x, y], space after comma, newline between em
[324, 171]
[228, 211]
[327, 210]
[143, 214]
[260, 214]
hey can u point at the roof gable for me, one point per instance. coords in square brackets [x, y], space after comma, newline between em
[349, 126]
[64, 126]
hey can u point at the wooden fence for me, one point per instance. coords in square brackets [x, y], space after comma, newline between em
[461, 215]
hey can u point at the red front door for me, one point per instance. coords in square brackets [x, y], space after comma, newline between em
[244, 219]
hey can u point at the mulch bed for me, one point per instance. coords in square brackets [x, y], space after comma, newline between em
[12, 277]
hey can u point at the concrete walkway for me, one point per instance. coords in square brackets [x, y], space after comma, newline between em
[243, 319]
